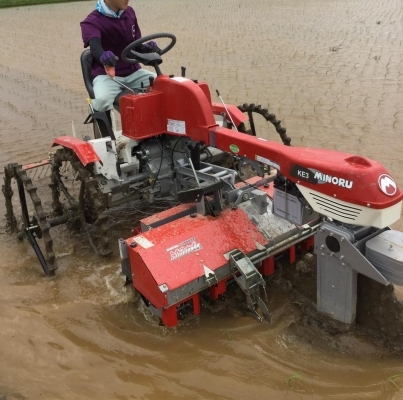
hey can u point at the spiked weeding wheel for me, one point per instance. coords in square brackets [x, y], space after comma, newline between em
[34, 226]
[251, 109]
[87, 205]
[83, 205]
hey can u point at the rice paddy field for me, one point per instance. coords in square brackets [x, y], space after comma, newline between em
[331, 70]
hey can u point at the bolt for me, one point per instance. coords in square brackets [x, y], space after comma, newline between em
[266, 185]
[193, 215]
[233, 207]
[133, 244]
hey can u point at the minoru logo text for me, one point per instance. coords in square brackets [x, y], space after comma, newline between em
[324, 178]
[316, 177]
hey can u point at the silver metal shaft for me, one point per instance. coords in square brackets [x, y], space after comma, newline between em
[226, 109]
[123, 85]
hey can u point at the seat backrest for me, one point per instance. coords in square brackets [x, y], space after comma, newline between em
[86, 61]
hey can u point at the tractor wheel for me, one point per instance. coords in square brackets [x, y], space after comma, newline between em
[34, 223]
[82, 198]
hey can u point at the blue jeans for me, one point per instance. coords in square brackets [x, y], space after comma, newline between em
[106, 89]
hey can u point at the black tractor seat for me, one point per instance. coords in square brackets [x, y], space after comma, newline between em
[100, 120]
[86, 62]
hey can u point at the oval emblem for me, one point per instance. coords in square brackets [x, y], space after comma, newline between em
[234, 148]
[387, 185]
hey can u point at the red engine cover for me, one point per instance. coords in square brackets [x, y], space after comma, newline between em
[176, 106]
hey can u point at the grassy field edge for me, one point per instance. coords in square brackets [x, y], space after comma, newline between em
[22, 3]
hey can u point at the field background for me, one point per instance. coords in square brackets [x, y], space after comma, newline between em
[331, 70]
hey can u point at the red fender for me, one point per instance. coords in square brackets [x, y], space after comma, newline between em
[237, 115]
[82, 149]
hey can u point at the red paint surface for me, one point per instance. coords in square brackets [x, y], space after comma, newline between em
[216, 237]
[218, 289]
[179, 99]
[83, 150]
[143, 115]
[362, 171]
[146, 115]
[43, 163]
[236, 115]
[267, 267]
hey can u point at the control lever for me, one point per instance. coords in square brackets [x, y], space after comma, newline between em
[110, 71]
[226, 109]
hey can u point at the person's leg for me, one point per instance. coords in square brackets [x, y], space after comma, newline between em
[141, 76]
[105, 91]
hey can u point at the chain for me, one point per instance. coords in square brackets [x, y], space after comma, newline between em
[269, 117]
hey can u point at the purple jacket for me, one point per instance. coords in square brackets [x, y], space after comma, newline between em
[115, 35]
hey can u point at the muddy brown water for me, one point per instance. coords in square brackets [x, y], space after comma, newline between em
[332, 71]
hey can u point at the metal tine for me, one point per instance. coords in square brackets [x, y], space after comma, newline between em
[48, 170]
[44, 172]
[33, 173]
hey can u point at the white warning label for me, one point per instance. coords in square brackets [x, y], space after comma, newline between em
[175, 126]
[143, 242]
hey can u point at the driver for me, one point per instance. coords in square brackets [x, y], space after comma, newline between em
[108, 30]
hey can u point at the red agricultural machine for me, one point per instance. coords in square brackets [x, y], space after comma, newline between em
[242, 200]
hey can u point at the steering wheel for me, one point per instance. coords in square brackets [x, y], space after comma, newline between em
[145, 58]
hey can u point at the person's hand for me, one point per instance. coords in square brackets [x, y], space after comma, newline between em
[108, 58]
[151, 47]
[110, 71]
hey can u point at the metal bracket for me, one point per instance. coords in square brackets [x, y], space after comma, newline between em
[249, 280]
[338, 262]
[210, 276]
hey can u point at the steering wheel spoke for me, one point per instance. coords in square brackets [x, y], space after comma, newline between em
[131, 56]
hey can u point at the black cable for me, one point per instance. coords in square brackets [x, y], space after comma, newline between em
[173, 150]
[159, 168]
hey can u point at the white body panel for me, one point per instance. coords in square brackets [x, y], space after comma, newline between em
[351, 213]
[106, 151]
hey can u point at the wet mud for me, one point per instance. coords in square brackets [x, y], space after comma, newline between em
[332, 72]
[379, 313]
